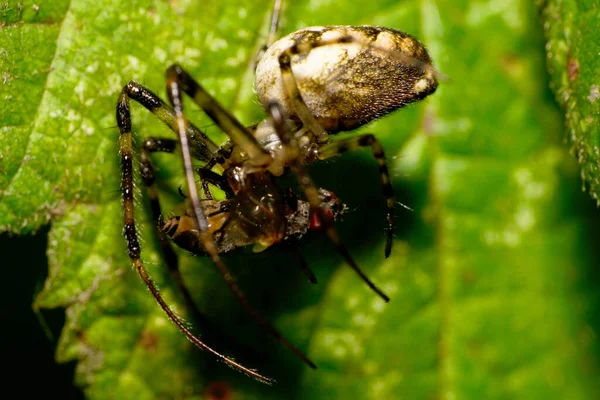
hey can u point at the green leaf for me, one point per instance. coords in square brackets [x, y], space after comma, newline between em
[28, 173]
[493, 293]
[572, 56]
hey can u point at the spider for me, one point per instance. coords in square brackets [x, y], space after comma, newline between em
[312, 83]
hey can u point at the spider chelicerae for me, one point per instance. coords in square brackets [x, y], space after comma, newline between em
[312, 83]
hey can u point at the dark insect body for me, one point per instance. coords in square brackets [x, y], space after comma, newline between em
[313, 83]
[234, 227]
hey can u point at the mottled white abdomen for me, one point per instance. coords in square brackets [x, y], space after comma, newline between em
[347, 76]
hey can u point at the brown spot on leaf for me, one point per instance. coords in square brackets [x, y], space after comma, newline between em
[218, 390]
[572, 69]
[469, 277]
[82, 336]
[511, 64]
[149, 341]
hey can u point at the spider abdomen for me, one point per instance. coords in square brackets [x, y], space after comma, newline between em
[347, 76]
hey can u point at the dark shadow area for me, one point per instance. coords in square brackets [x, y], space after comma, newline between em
[27, 351]
[586, 276]
[275, 284]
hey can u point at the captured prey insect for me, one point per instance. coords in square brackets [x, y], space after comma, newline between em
[228, 223]
[312, 83]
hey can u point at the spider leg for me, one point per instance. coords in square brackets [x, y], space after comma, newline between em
[177, 79]
[148, 174]
[133, 246]
[202, 147]
[273, 27]
[291, 86]
[239, 134]
[368, 140]
[312, 195]
[210, 177]
[304, 265]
